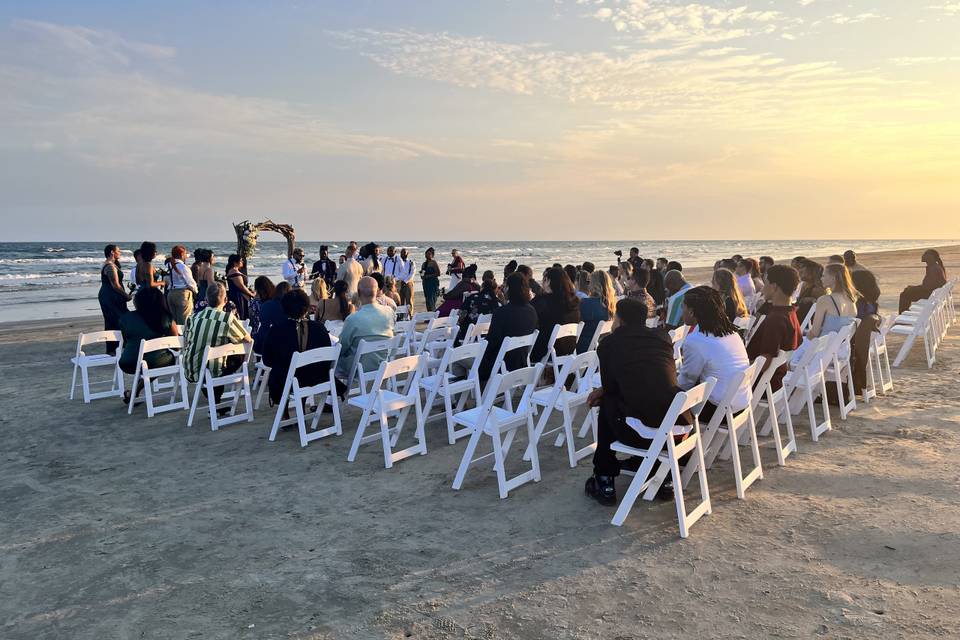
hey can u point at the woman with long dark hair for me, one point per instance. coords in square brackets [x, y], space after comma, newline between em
[934, 278]
[237, 290]
[265, 290]
[713, 348]
[150, 319]
[726, 283]
[558, 304]
[487, 300]
[112, 296]
[430, 277]
[336, 308]
[145, 274]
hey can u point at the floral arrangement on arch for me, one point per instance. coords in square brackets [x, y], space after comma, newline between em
[248, 232]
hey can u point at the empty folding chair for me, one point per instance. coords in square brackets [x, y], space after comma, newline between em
[386, 348]
[837, 368]
[403, 312]
[511, 344]
[261, 376]
[560, 331]
[236, 387]
[568, 403]
[920, 327]
[391, 397]
[162, 381]
[478, 329]
[317, 394]
[806, 382]
[435, 323]
[775, 402]
[879, 375]
[83, 362]
[664, 450]
[497, 418]
[450, 388]
[407, 329]
[677, 336]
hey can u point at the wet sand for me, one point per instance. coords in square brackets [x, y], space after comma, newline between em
[116, 526]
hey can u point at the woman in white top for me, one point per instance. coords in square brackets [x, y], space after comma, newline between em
[745, 280]
[712, 349]
[182, 286]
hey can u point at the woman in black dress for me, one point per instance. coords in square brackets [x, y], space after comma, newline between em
[113, 298]
[237, 290]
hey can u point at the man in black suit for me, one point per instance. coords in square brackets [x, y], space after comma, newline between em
[639, 381]
[324, 268]
[516, 318]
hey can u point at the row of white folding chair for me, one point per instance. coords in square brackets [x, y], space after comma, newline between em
[84, 362]
[358, 380]
[478, 329]
[559, 332]
[879, 375]
[579, 370]
[805, 383]
[927, 320]
[236, 387]
[839, 370]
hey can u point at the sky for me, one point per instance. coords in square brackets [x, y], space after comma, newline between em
[485, 119]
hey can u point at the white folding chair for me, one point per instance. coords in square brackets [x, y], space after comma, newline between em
[403, 312]
[677, 336]
[744, 322]
[560, 331]
[294, 394]
[436, 322]
[261, 376]
[407, 329]
[444, 384]
[386, 347]
[568, 403]
[806, 382]
[510, 344]
[667, 452]
[920, 327]
[752, 331]
[478, 329]
[501, 423]
[603, 328]
[653, 323]
[775, 402]
[808, 319]
[236, 387]
[162, 381]
[837, 368]
[879, 375]
[83, 362]
[391, 397]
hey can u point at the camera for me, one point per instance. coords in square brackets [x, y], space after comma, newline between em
[618, 253]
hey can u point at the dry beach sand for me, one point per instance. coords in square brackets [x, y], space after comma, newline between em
[122, 527]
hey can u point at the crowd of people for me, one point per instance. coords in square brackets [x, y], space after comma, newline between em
[643, 297]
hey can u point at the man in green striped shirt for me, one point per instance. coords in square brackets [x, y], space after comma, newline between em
[211, 327]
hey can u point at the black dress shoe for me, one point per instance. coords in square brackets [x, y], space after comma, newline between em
[601, 489]
[665, 492]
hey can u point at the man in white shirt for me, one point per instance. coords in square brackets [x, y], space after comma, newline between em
[350, 271]
[294, 270]
[401, 268]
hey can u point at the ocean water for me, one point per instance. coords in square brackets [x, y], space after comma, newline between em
[61, 279]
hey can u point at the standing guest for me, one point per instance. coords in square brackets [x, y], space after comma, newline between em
[614, 272]
[145, 274]
[639, 379]
[765, 263]
[430, 278]
[626, 277]
[597, 308]
[318, 293]
[508, 270]
[391, 262]
[676, 287]
[714, 349]
[370, 322]
[745, 279]
[557, 305]
[237, 290]
[350, 270]
[294, 270]
[516, 318]
[295, 334]
[453, 299]
[265, 291]
[835, 259]
[838, 308]
[212, 327]
[733, 303]
[583, 284]
[455, 269]
[868, 312]
[150, 319]
[390, 290]
[112, 296]
[372, 263]
[401, 269]
[336, 308]
[634, 260]
[382, 297]
[486, 301]
[673, 265]
[662, 265]
[589, 267]
[270, 312]
[780, 329]
[868, 304]
[182, 285]
[934, 278]
[132, 274]
[527, 272]
[203, 274]
[811, 287]
[325, 268]
[655, 285]
[638, 290]
[850, 259]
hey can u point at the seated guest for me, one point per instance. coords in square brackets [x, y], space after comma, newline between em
[466, 284]
[676, 287]
[372, 321]
[755, 274]
[780, 329]
[589, 267]
[318, 293]
[866, 285]
[934, 278]
[150, 319]
[745, 279]
[271, 312]
[583, 285]
[838, 308]
[638, 290]
[673, 265]
[557, 305]
[263, 287]
[212, 327]
[614, 272]
[574, 274]
[662, 265]
[382, 298]
[655, 287]
[626, 277]
[733, 303]
[835, 259]
[639, 381]
[336, 308]
[811, 286]
[765, 263]
[516, 318]
[713, 349]
[850, 259]
[295, 333]
[599, 307]
[527, 272]
[390, 290]
[486, 301]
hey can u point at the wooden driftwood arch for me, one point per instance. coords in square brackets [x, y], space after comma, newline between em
[247, 233]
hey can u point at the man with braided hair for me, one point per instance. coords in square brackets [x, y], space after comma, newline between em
[713, 348]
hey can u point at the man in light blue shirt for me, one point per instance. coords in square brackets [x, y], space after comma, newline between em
[676, 287]
[371, 322]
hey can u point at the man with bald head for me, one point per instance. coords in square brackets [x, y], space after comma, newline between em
[676, 286]
[370, 322]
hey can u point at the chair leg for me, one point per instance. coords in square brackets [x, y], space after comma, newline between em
[499, 466]
[534, 457]
[364, 421]
[633, 491]
[193, 405]
[904, 350]
[284, 401]
[85, 377]
[467, 457]
[73, 383]
[133, 390]
[211, 402]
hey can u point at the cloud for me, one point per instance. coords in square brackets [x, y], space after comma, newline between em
[95, 44]
[910, 61]
[950, 8]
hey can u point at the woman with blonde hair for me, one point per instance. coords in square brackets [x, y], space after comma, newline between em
[318, 293]
[725, 282]
[838, 307]
[600, 306]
